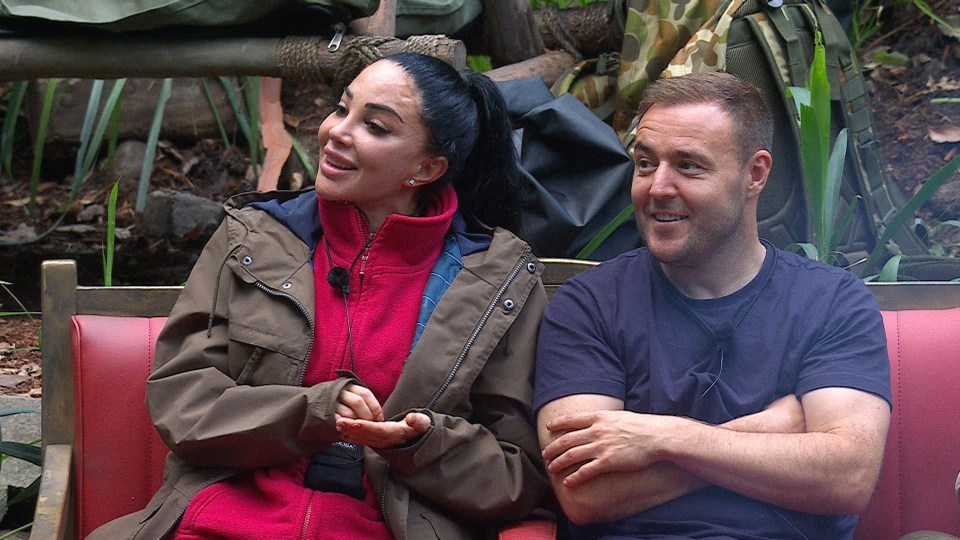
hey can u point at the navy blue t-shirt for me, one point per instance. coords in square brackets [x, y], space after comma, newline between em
[623, 330]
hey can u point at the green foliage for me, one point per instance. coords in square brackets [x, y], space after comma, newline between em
[250, 128]
[14, 102]
[822, 166]
[823, 174]
[29, 452]
[594, 243]
[216, 113]
[867, 21]
[91, 138]
[479, 63]
[39, 143]
[152, 139]
[108, 252]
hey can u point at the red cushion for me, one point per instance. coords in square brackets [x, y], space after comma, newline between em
[922, 457]
[112, 359]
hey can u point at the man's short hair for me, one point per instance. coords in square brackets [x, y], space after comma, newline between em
[750, 116]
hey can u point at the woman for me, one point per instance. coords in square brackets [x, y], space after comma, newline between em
[356, 362]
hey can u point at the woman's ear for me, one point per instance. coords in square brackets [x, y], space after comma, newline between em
[431, 169]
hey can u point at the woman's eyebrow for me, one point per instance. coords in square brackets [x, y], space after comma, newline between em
[376, 106]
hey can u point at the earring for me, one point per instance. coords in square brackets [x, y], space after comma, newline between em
[411, 182]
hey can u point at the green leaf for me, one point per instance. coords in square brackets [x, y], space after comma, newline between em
[24, 451]
[900, 218]
[809, 250]
[40, 142]
[305, 158]
[17, 92]
[113, 102]
[152, 139]
[888, 273]
[93, 104]
[111, 235]
[595, 242]
[216, 114]
[832, 191]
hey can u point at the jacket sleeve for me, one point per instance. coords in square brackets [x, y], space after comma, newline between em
[198, 407]
[487, 466]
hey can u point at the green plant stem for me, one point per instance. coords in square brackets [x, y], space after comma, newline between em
[111, 235]
[899, 219]
[17, 92]
[39, 144]
[595, 242]
[152, 139]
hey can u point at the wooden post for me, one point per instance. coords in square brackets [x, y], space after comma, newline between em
[510, 32]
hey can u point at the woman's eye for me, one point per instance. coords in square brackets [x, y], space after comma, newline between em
[377, 128]
[340, 110]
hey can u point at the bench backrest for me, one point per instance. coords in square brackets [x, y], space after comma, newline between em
[917, 490]
[94, 397]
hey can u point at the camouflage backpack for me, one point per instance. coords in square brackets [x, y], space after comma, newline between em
[769, 44]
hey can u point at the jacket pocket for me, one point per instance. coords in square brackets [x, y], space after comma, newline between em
[251, 365]
[266, 361]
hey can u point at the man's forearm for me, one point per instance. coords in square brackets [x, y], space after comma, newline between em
[620, 494]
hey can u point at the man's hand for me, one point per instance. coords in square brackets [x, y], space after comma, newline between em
[603, 442]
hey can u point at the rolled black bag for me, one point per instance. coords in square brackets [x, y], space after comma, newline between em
[577, 172]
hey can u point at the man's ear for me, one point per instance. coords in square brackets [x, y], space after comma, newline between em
[758, 169]
[431, 169]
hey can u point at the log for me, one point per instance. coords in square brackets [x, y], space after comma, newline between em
[548, 66]
[510, 31]
[295, 58]
[590, 30]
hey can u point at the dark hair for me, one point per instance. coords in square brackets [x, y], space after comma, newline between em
[467, 122]
[751, 120]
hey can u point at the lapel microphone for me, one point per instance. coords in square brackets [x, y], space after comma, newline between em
[723, 335]
[339, 278]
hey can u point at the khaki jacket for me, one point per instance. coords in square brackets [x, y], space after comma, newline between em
[225, 392]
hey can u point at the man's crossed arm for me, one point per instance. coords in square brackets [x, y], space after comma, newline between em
[819, 455]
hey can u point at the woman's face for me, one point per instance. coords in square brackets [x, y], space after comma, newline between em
[374, 142]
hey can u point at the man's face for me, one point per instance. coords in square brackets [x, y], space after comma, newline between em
[690, 188]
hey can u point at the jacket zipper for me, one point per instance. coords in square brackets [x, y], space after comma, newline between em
[478, 328]
[302, 372]
[456, 366]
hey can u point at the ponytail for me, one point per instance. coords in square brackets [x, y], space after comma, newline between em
[489, 181]
[469, 125]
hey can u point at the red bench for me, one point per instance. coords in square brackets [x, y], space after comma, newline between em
[102, 457]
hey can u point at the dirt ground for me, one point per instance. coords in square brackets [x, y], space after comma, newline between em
[917, 136]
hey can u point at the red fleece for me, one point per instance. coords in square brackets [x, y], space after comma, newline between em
[386, 286]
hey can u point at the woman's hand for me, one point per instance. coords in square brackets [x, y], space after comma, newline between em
[382, 434]
[358, 403]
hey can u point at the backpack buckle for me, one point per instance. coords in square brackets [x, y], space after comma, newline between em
[608, 63]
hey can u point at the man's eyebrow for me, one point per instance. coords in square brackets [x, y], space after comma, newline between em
[693, 155]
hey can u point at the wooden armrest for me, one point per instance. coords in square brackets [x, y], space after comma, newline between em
[52, 518]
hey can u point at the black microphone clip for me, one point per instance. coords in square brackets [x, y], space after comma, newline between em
[723, 334]
[339, 278]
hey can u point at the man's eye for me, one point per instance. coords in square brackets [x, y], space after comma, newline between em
[689, 166]
[645, 165]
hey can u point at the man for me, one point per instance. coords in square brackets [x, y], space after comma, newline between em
[710, 385]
